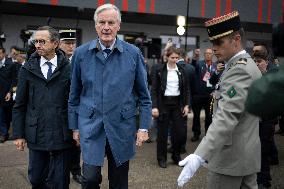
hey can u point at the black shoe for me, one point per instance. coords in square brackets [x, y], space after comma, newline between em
[183, 150]
[78, 178]
[162, 164]
[279, 132]
[176, 159]
[195, 138]
[2, 139]
[264, 185]
[274, 162]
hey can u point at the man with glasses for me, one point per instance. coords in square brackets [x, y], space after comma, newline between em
[40, 115]
[109, 81]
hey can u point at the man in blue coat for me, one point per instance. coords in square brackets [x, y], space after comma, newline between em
[108, 82]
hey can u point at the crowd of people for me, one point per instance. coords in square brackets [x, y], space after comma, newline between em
[65, 102]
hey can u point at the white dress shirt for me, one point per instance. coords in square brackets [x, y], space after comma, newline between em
[44, 66]
[2, 62]
[172, 87]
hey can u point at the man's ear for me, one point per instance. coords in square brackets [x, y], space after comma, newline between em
[237, 37]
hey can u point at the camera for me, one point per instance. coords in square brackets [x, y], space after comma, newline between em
[278, 39]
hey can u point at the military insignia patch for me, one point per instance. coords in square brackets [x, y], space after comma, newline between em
[232, 92]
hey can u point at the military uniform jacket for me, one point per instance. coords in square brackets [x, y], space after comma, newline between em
[103, 100]
[231, 145]
[40, 114]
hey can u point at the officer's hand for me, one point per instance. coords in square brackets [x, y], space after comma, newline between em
[76, 137]
[8, 97]
[155, 112]
[191, 163]
[142, 136]
[185, 111]
[20, 144]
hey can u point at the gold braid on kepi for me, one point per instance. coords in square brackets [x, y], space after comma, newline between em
[222, 26]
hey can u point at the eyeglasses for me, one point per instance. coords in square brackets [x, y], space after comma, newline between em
[40, 41]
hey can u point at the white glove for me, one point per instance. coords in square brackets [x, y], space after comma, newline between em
[191, 163]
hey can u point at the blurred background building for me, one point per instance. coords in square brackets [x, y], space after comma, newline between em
[153, 21]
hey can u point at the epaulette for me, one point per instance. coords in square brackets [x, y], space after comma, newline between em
[242, 61]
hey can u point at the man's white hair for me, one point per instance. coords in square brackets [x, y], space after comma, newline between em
[104, 7]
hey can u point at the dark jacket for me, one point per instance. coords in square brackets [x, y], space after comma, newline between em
[7, 78]
[190, 74]
[200, 89]
[159, 81]
[40, 114]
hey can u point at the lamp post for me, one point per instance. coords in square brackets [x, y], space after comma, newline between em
[180, 28]
[186, 24]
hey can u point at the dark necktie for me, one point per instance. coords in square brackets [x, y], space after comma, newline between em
[107, 51]
[49, 72]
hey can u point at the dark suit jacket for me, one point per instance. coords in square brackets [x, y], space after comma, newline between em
[6, 80]
[40, 114]
[200, 88]
[190, 74]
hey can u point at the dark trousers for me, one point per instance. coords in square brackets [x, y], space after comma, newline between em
[184, 132]
[197, 104]
[266, 133]
[39, 165]
[3, 122]
[75, 160]
[173, 114]
[281, 123]
[117, 176]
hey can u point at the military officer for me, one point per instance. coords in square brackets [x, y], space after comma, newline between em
[68, 45]
[231, 148]
[68, 42]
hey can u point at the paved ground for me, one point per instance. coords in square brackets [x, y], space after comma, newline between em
[144, 171]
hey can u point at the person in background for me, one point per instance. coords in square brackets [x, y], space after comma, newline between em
[190, 74]
[12, 53]
[263, 48]
[266, 130]
[231, 148]
[6, 85]
[170, 98]
[40, 113]
[201, 93]
[109, 83]
[68, 45]
[68, 42]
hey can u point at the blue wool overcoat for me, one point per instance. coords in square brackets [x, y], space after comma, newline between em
[104, 96]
